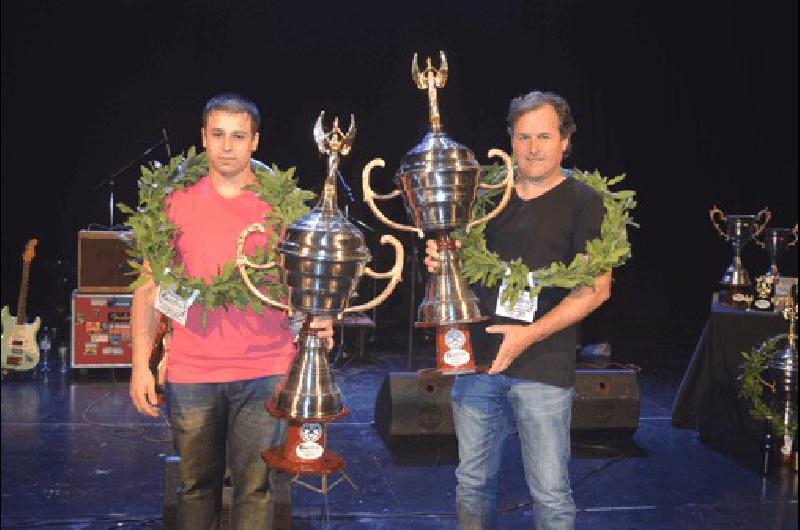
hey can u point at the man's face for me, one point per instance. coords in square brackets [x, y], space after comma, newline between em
[538, 145]
[229, 142]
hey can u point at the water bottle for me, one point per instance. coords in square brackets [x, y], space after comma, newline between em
[44, 349]
[63, 358]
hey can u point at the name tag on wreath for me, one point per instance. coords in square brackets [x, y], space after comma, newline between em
[174, 305]
[525, 308]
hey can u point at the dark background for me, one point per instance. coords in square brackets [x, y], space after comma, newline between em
[695, 101]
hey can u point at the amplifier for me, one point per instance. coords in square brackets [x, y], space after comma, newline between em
[101, 330]
[103, 261]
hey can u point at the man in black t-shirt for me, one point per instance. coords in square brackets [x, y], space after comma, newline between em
[550, 218]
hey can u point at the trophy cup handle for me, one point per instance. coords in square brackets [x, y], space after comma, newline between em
[713, 213]
[395, 273]
[242, 263]
[767, 215]
[507, 183]
[370, 196]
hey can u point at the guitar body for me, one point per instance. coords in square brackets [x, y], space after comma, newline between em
[20, 349]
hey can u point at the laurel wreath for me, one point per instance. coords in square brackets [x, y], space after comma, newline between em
[610, 250]
[154, 234]
[753, 386]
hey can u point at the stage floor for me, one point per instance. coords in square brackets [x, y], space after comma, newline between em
[75, 454]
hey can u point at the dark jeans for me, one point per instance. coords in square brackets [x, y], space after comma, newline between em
[209, 419]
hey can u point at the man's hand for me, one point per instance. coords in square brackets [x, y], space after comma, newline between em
[432, 259]
[143, 391]
[516, 339]
[324, 327]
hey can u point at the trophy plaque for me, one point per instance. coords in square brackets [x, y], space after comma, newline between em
[439, 181]
[320, 258]
[741, 229]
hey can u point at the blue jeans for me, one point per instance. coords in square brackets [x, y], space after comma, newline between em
[209, 420]
[482, 410]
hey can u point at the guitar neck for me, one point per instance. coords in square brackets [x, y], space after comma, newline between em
[23, 293]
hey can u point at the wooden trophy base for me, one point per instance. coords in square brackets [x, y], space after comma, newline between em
[304, 452]
[454, 354]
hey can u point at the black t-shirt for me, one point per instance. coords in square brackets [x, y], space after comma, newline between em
[552, 227]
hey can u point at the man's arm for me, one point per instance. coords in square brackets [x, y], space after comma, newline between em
[572, 309]
[144, 328]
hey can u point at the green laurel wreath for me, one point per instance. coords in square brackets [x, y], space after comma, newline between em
[753, 385]
[154, 235]
[610, 250]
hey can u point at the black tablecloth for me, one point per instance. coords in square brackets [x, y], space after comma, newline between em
[708, 397]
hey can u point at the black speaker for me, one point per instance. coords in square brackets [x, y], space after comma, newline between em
[606, 400]
[408, 405]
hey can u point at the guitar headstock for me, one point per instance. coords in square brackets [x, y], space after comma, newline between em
[30, 250]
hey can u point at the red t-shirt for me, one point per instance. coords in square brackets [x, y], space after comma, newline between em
[235, 344]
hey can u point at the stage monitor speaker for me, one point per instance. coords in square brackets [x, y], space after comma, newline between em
[103, 261]
[407, 405]
[606, 400]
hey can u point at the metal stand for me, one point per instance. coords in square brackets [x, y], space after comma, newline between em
[109, 181]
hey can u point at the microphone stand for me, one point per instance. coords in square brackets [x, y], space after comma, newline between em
[109, 181]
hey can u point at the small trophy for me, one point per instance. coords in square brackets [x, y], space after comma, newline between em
[439, 179]
[783, 368]
[777, 241]
[321, 257]
[740, 230]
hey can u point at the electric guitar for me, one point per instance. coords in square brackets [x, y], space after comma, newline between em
[20, 350]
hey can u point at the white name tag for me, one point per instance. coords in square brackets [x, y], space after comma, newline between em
[174, 305]
[524, 309]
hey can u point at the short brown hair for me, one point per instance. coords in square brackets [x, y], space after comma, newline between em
[536, 99]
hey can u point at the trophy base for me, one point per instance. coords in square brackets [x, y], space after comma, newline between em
[454, 354]
[328, 463]
[445, 372]
[735, 297]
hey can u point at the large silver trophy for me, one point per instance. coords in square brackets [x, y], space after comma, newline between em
[320, 258]
[783, 368]
[740, 230]
[439, 180]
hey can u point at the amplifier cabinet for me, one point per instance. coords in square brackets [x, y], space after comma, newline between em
[103, 261]
[101, 330]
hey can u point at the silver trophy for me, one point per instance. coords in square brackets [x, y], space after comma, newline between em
[320, 259]
[776, 241]
[783, 368]
[740, 230]
[440, 179]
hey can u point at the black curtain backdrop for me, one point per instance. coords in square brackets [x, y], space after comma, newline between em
[695, 101]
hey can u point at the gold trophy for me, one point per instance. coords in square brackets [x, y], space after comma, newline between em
[439, 179]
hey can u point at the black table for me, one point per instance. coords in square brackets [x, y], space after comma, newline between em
[707, 398]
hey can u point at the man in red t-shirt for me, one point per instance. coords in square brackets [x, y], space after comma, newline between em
[219, 374]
